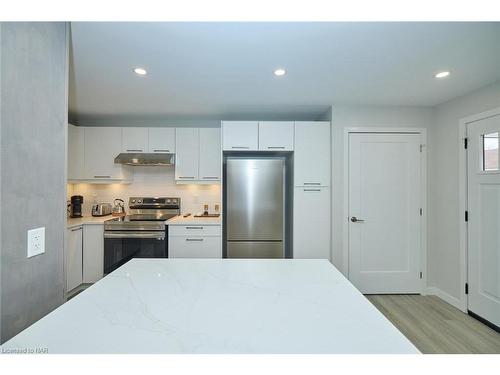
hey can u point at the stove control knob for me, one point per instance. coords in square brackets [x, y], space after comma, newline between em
[168, 200]
[139, 201]
[133, 200]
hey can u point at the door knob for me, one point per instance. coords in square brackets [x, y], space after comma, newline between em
[354, 219]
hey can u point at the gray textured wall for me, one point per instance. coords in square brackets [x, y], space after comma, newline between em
[33, 169]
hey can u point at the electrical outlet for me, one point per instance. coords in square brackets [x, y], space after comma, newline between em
[36, 241]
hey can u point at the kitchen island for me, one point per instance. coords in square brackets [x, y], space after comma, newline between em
[217, 306]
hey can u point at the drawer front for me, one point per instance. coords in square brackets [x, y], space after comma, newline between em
[194, 230]
[194, 247]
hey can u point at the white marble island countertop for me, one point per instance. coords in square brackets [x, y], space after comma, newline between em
[217, 306]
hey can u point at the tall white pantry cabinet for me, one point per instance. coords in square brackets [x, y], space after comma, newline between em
[312, 191]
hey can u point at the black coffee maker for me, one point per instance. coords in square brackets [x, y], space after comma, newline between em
[76, 206]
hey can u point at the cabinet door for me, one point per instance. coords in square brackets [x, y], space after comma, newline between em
[311, 223]
[186, 154]
[93, 253]
[75, 153]
[240, 135]
[162, 140]
[134, 139]
[210, 153]
[102, 145]
[73, 258]
[312, 159]
[276, 135]
[194, 247]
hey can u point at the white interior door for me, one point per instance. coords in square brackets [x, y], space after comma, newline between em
[384, 212]
[484, 219]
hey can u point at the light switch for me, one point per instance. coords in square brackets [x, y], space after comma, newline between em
[36, 241]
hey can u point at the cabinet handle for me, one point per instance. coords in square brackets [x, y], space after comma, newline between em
[161, 150]
[240, 147]
[191, 177]
[312, 189]
[194, 239]
[134, 150]
[275, 147]
[102, 176]
[194, 227]
[312, 183]
[76, 229]
[210, 178]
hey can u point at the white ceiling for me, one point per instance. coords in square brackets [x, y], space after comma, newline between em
[213, 71]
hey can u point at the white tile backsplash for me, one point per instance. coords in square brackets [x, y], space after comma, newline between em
[153, 182]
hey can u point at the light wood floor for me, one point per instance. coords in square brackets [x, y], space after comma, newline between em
[434, 326]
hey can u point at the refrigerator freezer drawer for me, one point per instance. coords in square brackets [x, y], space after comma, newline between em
[255, 250]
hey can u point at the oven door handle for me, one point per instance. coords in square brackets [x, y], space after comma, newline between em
[132, 234]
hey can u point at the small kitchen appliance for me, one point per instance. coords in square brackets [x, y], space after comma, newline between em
[119, 207]
[101, 209]
[76, 206]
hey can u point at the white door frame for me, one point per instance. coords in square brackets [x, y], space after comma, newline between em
[423, 194]
[463, 202]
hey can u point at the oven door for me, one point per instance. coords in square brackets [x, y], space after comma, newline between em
[121, 246]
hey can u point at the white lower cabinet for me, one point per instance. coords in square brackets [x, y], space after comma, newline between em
[194, 242]
[93, 253]
[84, 250]
[74, 258]
[311, 222]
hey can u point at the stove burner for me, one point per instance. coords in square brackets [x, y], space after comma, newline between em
[145, 214]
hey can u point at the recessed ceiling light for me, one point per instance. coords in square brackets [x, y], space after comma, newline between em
[280, 72]
[442, 74]
[140, 71]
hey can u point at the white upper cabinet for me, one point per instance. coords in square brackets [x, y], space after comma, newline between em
[76, 153]
[187, 146]
[154, 140]
[162, 140]
[240, 135]
[312, 158]
[102, 145]
[134, 139]
[276, 135]
[210, 154]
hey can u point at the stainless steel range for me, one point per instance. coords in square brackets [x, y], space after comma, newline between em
[141, 234]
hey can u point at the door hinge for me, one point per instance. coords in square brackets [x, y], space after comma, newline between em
[420, 210]
[420, 274]
[466, 288]
[466, 216]
[421, 147]
[465, 143]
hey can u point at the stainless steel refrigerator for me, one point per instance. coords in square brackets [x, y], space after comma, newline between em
[255, 207]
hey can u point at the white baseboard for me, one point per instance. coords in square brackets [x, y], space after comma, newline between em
[455, 302]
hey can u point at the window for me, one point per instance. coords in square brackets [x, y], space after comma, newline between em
[490, 152]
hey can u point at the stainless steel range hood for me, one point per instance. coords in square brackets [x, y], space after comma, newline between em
[145, 159]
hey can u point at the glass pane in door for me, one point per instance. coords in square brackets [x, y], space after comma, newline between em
[490, 152]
